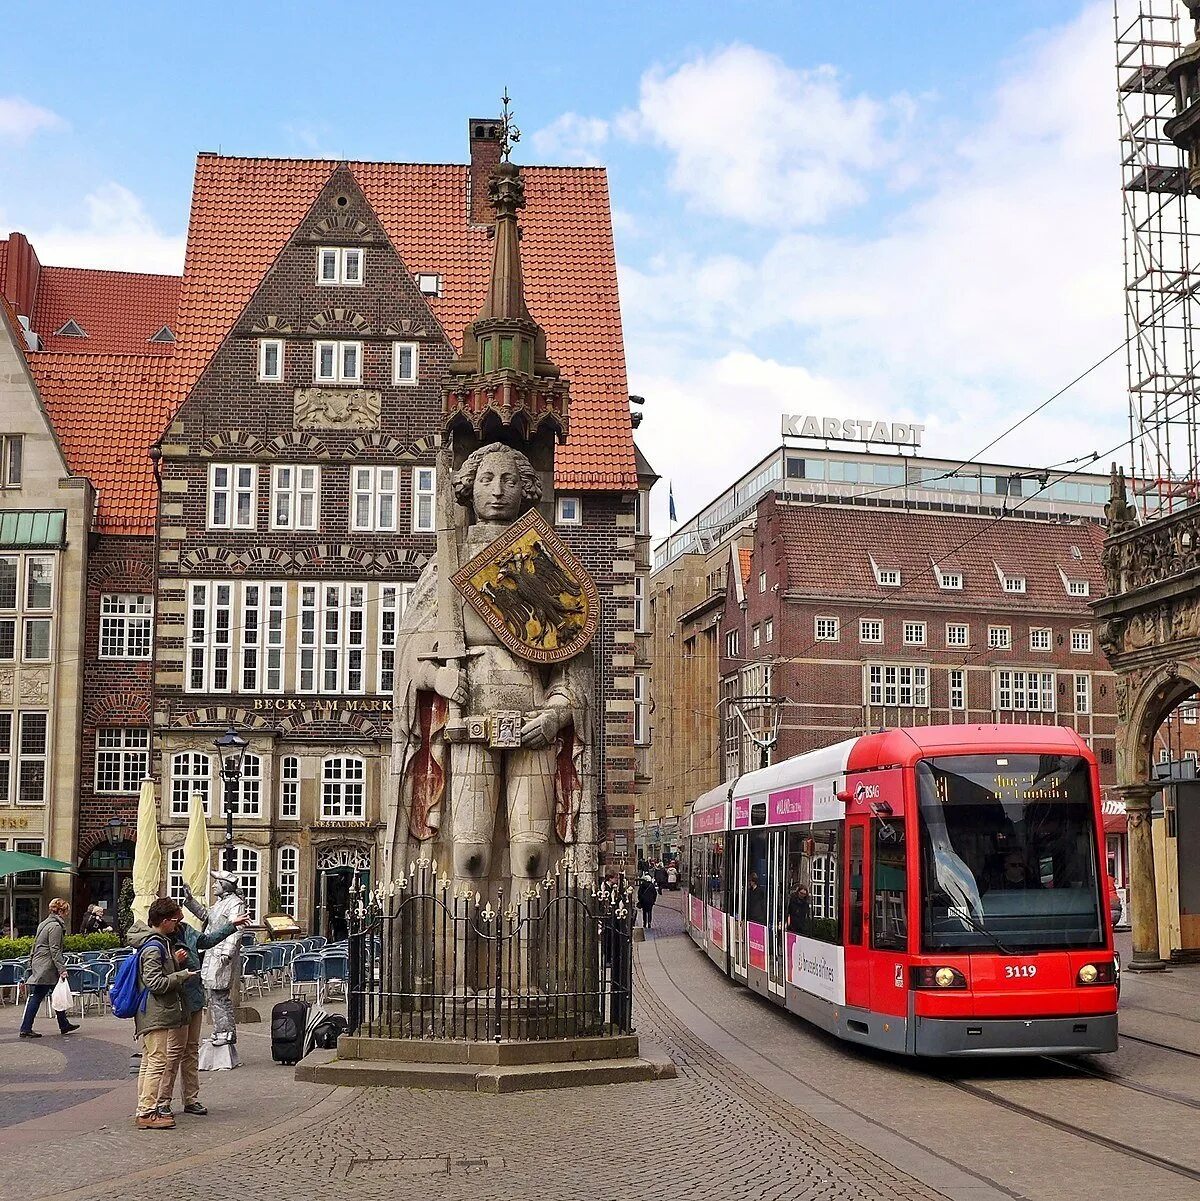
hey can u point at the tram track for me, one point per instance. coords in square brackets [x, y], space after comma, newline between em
[1151, 1042]
[1123, 1081]
[1116, 1145]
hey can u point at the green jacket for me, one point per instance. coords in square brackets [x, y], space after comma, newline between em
[159, 975]
[194, 942]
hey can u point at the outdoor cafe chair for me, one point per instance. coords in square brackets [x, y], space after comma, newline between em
[254, 972]
[317, 942]
[12, 974]
[334, 970]
[306, 973]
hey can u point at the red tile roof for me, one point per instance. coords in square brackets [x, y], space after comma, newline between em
[119, 310]
[745, 554]
[108, 409]
[827, 549]
[244, 210]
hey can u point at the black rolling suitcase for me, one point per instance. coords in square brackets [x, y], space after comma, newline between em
[289, 1023]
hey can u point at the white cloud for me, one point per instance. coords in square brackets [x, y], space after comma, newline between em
[996, 281]
[20, 119]
[115, 233]
[754, 139]
[573, 140]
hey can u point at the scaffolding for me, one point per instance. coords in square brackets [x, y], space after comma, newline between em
[1160, 282]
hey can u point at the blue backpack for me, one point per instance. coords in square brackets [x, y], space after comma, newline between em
[125, 994]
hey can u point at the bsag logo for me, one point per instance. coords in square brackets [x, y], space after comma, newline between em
[866, 792]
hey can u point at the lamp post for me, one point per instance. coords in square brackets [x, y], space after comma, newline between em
[231, 746]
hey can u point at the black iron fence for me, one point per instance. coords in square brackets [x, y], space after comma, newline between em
[428, 960]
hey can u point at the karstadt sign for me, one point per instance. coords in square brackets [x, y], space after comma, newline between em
[852, 429]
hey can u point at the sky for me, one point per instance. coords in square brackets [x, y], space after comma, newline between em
[907, 212]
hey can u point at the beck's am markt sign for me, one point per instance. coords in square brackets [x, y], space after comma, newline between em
[852, 429]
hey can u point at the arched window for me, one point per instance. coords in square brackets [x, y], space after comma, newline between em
[246, 867]
[343, 788]
[287, 878]
[191, 771]
[175, 874]
[251, 786]
[289, 788]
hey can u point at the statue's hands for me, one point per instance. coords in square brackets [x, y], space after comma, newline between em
[540, 729]
[451, 682]
[187, 892]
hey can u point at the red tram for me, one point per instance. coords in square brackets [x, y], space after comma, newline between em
[802, 878]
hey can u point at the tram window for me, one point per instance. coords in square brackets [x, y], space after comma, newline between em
[856, 886]
[889, 926]
[716, 858]
[814, 883]
[758, 879]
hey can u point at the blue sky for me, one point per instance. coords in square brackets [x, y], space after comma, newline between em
[874, 209]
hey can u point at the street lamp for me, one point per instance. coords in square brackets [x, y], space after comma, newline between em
[115, 830]
[231, 746]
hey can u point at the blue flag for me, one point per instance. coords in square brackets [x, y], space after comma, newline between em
[671, 501]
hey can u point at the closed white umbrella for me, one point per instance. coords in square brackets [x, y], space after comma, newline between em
[196, 857]
[147, 853]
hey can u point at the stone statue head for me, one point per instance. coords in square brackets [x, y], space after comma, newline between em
[498, 482]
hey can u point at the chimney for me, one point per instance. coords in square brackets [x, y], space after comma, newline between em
[21, 274]
[484, 135]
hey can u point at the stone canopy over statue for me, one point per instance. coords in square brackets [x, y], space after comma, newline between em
[492, 718]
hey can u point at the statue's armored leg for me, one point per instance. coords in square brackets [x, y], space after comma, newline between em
[474, 795]
[530, 835]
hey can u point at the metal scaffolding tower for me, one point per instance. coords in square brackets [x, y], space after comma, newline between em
[1160, 280]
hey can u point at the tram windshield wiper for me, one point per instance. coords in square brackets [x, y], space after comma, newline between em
[980, 928]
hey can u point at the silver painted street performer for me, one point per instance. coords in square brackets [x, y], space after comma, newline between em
[220, 971]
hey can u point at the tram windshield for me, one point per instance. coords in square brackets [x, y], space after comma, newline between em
[1008, 853]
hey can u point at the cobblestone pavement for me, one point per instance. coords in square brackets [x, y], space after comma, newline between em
[764, 1109]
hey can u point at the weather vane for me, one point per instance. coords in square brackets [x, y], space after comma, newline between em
[509, 133]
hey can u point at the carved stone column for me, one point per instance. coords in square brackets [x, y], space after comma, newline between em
[1143, 895]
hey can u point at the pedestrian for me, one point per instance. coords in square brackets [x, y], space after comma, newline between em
[184, 1055]
[798, 909]
[660, 876]
[95, 922]
[46, 968]
[647, 895]
[163, 974]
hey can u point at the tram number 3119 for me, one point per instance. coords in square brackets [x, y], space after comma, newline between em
[1019, 970]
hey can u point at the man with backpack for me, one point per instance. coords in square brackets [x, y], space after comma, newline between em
[160, 1007]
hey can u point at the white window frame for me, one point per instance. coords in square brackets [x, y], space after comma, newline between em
[915, 633]
[950, 581]
[185, 783]
[340, 257]
[1014, 583]
[289, 789]
[952, 634]
[175, 861]
[425, 288]
[568, 510]
[755, 635]
[126, 621]
[641, 708]
[398, 377]
[331, 655]
[393, 600]
[999, 638]
[287, 878]
[885, 577]
[1039, 635]
[10, 475]
[641, 512]
[1083, 693]
[236, 485]
[957, 681]
[339, 349]
[27, 629]
[1081, 642]
[32, 758]
[294, 484]
[762, 581]
[733, 644]
[833, 631]
[1022, 690]
[897, 685]
[639, 606]
[338, 787]
[1079, 587]
[424, 500]
[264, 376]
[8, 732]
[868, 627]
[769, 630]
[379, 487]
[247, 867]
[127, 750]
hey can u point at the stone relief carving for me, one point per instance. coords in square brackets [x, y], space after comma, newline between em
[35, 686]
[333, 858]
[6, 686]
[337, 409]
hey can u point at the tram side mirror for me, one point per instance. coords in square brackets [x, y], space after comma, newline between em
[845, 796]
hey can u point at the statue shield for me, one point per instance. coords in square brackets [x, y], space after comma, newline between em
[533, 592]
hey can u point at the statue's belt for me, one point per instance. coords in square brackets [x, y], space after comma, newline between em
[501, 729]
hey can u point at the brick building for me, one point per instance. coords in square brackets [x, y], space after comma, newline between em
[261, 436]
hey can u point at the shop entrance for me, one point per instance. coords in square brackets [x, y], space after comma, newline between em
[101, 878]
[337, 869]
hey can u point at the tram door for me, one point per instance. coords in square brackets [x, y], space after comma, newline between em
[776, 909]
[856, 925]
[737, 904]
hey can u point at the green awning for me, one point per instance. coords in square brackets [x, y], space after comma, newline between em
[14, 862]
[33, 527]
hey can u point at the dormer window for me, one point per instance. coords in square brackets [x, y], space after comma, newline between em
[70, 329]
[885, 577]
[429, 284]
[951, 581]
[164, 335]
[340, 266]
[1078, 588]
[337, 362]
[1014, 583]
[270, 360]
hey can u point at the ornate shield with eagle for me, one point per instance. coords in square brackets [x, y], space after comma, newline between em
[533, 591]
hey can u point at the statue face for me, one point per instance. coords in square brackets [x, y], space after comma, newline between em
[497, 492]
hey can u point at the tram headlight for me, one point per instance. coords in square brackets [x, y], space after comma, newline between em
[944, 977]
[938, 977]
[1097, 973]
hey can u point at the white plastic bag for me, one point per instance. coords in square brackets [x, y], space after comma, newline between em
[62, 998]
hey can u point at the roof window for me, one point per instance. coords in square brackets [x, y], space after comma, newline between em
[951, 581]
[429, 284]
[1010, 581]
[885, 577]
[71, 329]
[164, 335]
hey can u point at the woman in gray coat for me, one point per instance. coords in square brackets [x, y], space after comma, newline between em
[46, 968]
